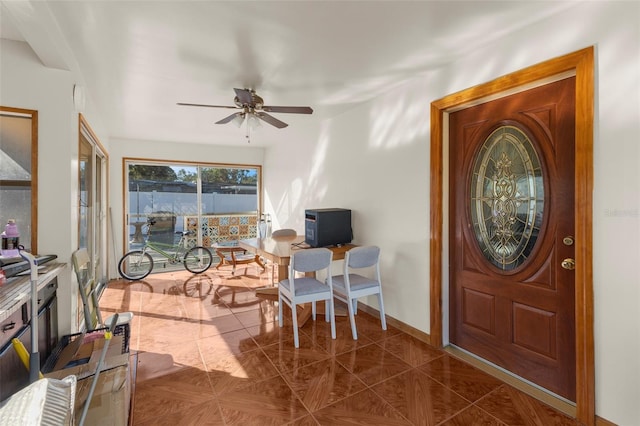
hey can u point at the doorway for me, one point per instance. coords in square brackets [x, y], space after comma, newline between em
[511, 296]
[580, 64]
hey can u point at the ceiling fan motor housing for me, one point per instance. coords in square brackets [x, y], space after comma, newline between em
[256, 101]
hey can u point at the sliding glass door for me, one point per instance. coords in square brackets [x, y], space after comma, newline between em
[92, 224]
[217, 202]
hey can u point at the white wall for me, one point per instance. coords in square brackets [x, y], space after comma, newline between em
[155, 150]
[26, 83]
[375, 161]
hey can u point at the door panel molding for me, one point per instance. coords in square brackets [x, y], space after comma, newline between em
[580, 64]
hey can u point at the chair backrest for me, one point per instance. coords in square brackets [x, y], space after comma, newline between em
[82, 268]
[362, 257]
[310, 260]
[285, 232]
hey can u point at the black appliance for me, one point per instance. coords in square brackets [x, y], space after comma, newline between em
[327, 227]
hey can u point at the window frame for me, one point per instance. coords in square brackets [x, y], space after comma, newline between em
[127, 161]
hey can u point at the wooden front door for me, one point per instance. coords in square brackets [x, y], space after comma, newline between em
[512, 284]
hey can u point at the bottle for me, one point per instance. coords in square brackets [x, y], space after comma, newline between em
[10, 239]
[262, 227]
[268, 231]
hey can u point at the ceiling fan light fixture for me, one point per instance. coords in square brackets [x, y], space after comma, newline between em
[238, 120]
[253, 122]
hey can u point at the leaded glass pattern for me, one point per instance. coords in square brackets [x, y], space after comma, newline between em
[507, 197]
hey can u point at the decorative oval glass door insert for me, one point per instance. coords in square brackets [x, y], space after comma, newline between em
[507, 197]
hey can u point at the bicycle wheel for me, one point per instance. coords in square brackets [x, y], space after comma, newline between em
[135, 265]
[197, 259]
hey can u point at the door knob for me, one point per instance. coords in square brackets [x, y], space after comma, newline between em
[569, 263]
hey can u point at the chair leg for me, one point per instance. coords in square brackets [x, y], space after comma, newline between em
[352, 318]
[332, 317]
[327, 310]
[313, 310]
[294, 316]
[280, 310]
[355, 306]
[383, 320]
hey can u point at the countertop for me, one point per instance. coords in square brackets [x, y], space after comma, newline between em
[17, 290]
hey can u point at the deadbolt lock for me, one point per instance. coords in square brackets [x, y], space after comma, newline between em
[569, 264]
[568, 240]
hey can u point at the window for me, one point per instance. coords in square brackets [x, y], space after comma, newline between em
[220, 202]
[19, 172]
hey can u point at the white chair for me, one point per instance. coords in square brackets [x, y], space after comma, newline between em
[89, 293]
[297, 290]
[350, 286]
[284, 233]
[281, 234]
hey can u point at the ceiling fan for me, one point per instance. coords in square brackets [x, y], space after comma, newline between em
[251, 105]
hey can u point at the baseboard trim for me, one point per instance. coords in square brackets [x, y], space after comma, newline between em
[414, 332]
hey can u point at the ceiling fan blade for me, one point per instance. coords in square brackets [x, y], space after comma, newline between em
[290, 109]
[229, 118]
[271, 120]
[208, 106]
[244, 96]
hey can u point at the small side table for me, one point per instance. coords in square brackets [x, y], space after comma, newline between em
[232, 254]
[137, 233]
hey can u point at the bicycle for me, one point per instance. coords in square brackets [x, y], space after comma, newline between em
[137, 264]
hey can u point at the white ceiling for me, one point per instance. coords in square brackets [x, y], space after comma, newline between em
[138, 58]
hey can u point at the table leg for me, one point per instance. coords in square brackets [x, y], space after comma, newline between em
[283, 272]
[259, 262]
[304, 313]
[267, 291]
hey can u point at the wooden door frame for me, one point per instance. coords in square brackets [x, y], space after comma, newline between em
[581, 64]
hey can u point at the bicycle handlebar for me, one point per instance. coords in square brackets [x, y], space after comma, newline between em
[152, 222]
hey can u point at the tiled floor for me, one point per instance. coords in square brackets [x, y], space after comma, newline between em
[210, 352]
